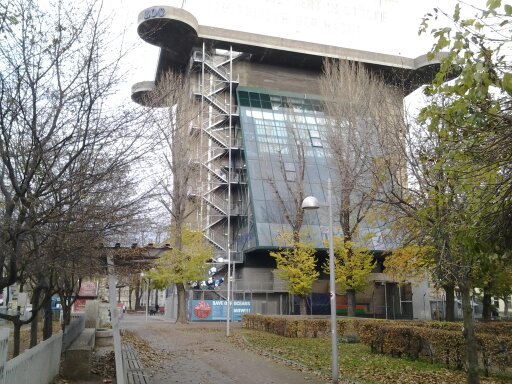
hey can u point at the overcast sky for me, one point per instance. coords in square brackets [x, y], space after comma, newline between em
[385, 26]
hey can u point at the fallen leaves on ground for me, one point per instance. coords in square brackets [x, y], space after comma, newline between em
[60, 380]
[104, 365]
[357, 363]
[242, 343]
[149, 356]
[25, 336]
[103, 368]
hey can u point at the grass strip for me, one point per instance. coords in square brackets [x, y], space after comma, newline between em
[357, 363]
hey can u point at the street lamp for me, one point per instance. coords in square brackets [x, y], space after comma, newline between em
[310, 203]
[229, 288]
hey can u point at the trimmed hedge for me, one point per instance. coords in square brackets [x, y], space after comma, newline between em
[480, 327]
[434, 341]
[288, 327]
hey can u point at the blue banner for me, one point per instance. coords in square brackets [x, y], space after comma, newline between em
[217, 310]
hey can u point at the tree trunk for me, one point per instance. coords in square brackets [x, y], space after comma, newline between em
[63, 308]
[351, 303]
[35, 321]
[450, 302]
[17, 336]
[469, 335]
[302, 307]
[486, 306]
[181, 303]
[130, 293]
[138, 295]
[505, 310]
[34, 325]
[48, 317]
[66, 317]
[156, 296]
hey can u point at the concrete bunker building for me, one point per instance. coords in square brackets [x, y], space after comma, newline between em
[254, 86]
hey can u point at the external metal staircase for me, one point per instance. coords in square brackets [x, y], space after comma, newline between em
[216, 93]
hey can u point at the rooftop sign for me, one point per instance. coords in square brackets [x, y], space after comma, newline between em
[154, 12]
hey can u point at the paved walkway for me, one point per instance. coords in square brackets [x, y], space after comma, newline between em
[200, 353]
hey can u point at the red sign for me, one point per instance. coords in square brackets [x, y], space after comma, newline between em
[79, 305]
[87, 289]
[202, 310]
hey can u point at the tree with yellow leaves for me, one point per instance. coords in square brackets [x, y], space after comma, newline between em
[409, 264]
[353, 266]
[179, 265]
[296, 266]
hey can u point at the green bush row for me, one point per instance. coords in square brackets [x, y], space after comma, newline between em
[306, 327]
[438, 342]
[483, 327]
[287, 326]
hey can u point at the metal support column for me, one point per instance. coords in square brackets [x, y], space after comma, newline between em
[230, 117]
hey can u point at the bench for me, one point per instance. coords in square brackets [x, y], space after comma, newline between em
[132, 367]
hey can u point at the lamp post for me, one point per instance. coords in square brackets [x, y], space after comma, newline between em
[228, 314]
[310, 203]
[229, 290]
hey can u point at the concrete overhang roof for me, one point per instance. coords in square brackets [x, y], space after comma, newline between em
[135, 254]
[177, 31]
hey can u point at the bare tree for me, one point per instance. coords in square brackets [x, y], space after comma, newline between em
[296, 261]
[177, 143]
[5, 16]
[290, 193]
[60, 143]
[352, 98]
[66, 247]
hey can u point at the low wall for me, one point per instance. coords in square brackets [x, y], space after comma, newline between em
[73, 330]
[77, 358]
[37, 365]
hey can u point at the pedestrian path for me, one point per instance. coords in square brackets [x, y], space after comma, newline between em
[201, 353]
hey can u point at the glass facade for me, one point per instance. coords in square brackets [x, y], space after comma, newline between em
[270, 124]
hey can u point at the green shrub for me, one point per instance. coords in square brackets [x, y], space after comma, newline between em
[434, 341]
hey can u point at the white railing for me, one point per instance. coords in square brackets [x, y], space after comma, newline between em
[37, 365]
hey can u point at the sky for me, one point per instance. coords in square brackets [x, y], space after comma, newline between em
[384, 26]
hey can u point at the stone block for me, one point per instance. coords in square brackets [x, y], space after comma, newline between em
[92, 317]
